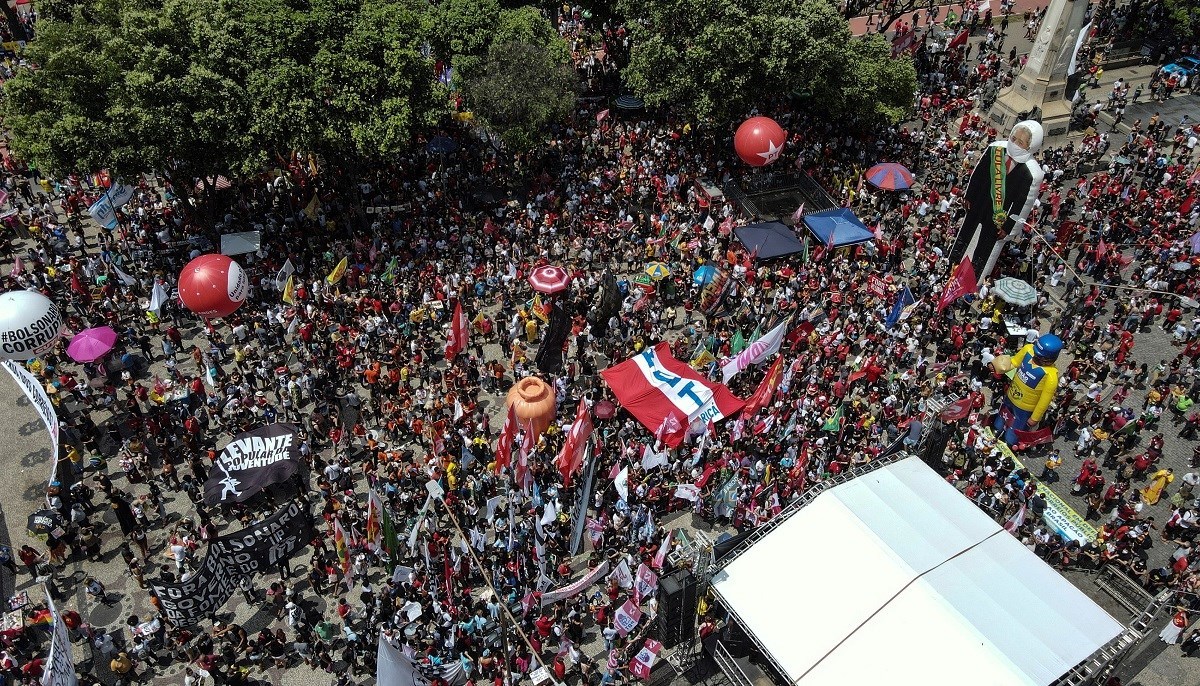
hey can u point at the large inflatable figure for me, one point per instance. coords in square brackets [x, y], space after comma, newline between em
[1004, 184]
[1032, 388]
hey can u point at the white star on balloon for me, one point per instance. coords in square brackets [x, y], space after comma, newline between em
[772, 152]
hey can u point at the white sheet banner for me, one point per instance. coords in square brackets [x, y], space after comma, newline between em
[103, 212]
[758, 351]
[394, 667]
[573, 589]
[41, 402]
[60, 665]
[622, 575]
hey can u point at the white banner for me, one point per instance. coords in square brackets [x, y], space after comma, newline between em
[60, 665]
[758, 351]
[394, 667]
[573, 589]
[41, 402]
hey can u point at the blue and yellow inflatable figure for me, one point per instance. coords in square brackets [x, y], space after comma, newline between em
[1032, 388]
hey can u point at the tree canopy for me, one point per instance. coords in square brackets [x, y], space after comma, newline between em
[197, 88]
[520, 89]
[714, 59]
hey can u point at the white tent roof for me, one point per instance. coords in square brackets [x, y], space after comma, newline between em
[895, 576]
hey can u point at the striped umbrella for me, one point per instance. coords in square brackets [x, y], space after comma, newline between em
[1015, 292]
[890, 176]
[549, 279]
[658, 270]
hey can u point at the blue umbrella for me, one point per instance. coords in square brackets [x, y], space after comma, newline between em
[441, 145]
[703, 275]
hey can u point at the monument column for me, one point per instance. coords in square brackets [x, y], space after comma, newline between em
[1042, 84]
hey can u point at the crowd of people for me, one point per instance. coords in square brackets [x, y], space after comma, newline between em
[358, 364]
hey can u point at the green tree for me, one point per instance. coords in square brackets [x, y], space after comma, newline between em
[199, 88]
[521, 89]
[715, 59]
[376, 85]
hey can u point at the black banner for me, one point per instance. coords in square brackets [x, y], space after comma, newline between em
[252, 461]
[258, 548]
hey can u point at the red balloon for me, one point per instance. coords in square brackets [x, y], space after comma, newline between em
[759, 140]
[213, 286]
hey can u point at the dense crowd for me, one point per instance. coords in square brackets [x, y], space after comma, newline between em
[359, 365]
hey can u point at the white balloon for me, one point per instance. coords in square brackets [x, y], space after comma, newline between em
[29, 325]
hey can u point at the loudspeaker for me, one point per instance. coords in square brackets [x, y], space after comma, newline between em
[936, 439]
[736, 641]
[678, 596]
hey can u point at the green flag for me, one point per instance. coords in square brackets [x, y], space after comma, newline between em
[389, 274]
[834, 423]
[805, 255]
[738, 344]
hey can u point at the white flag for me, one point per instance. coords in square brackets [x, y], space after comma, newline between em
[125, 278]
[158, 297]
[652, 458]
[622, 483]
[287, 270]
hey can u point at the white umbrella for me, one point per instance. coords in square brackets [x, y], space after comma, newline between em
[1015, 292]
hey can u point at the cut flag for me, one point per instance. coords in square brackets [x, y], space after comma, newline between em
[505, 442]
[338, 272]
[570, 459]
[456, 339]
[903, 300]
[962, 282]
[766, 389]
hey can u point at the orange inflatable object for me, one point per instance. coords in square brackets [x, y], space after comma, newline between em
[534, 400]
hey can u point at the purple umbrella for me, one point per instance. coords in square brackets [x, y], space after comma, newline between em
[90, 345]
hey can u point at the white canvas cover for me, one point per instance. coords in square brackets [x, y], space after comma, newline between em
[895, 577]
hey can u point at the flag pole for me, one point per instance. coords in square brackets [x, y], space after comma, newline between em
[504, 610]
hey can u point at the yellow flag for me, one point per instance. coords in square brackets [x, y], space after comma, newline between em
[703, 360]
[339, 271]
[539, 310]
[289, 290]
[311, 208]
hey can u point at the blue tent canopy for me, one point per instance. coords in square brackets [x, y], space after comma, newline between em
[838, 228]
[769, 240]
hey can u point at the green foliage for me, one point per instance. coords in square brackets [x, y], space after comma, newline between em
[205, 87]
[520, 90]
[715, 59]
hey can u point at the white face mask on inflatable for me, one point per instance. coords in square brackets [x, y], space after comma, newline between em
[1025, 141]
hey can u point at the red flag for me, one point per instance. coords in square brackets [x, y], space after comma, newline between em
[601, 116]
[766, 389]
[962, 282]
[1101, 249]
[1028, 439]
[504, 445]
[571, 457]
[528, 445]
[956, 410]
[669, 427]
[456, 340]
[960, 39]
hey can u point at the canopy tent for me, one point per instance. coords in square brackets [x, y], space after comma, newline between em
[935, 590]
[653, 386]
[769, 240]
[241, 243]
[838, 228]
